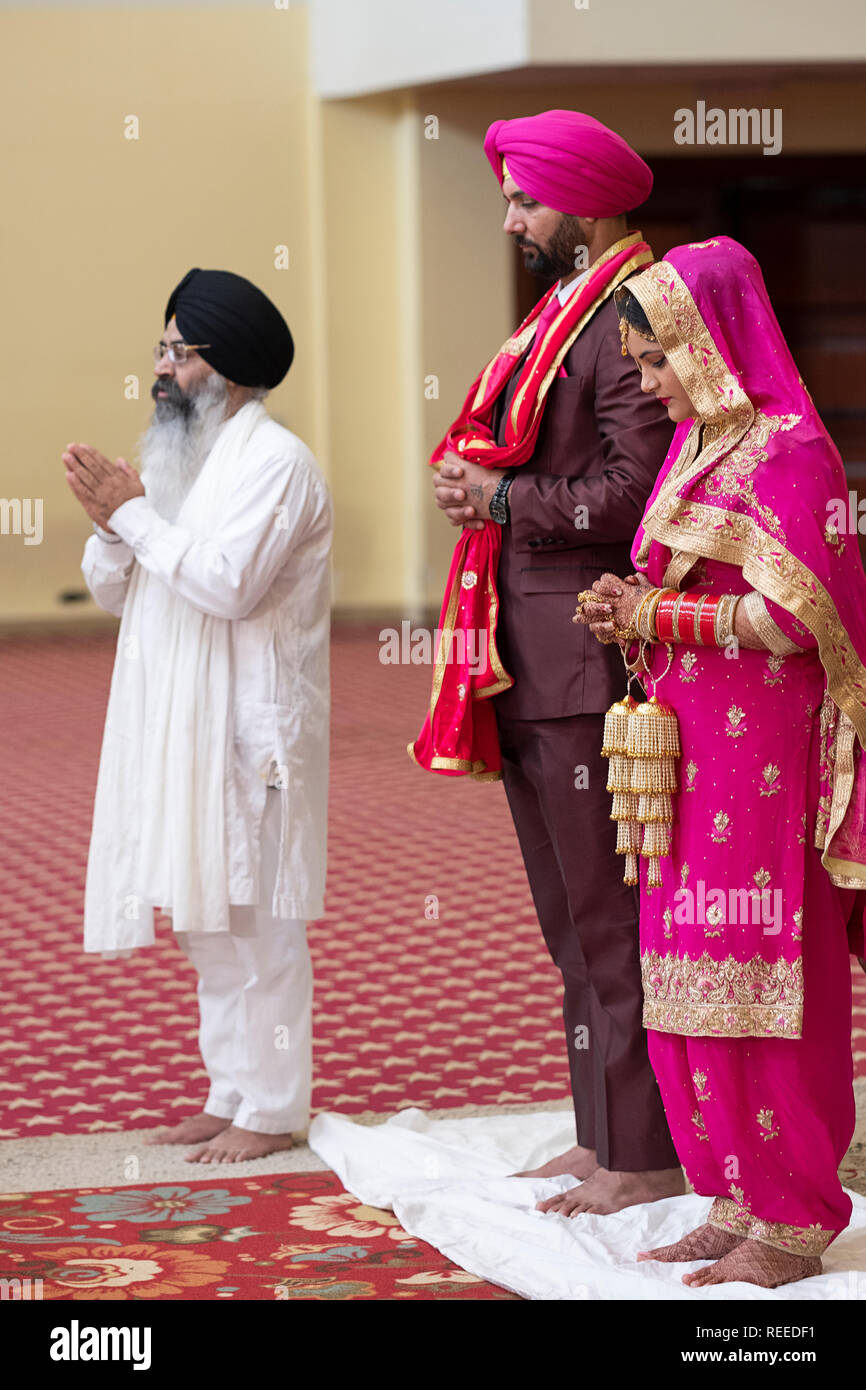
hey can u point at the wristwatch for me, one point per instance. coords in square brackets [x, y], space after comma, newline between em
[499, 509]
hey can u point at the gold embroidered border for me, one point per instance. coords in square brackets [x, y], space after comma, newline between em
[477, 770]
[844, 873]
[772, 636]
[727, 1215]
[680, 565]
[703, 997]
[725, 410]
[503, 680]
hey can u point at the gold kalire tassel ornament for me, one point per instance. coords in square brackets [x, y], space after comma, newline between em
[643, 744]
[625, 802]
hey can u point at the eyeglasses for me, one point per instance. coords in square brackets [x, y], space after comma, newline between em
[177, 352]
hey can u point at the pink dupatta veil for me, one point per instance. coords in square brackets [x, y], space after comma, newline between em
[758, 487]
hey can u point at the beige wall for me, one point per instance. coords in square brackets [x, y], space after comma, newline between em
[98, 229]
[399, 271]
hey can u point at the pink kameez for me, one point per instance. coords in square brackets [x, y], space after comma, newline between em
[744, 946]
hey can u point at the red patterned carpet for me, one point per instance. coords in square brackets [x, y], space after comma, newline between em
[229, 1239]
[411, 1009]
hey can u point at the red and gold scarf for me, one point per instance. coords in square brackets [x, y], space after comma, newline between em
[459, 737]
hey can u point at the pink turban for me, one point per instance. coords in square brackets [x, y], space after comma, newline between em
[570, 162]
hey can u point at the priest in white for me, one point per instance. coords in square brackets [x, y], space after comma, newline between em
[212, 793]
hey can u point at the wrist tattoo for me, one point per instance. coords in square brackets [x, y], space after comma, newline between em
[477, 491]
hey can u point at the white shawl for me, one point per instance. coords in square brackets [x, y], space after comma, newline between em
[159, 820]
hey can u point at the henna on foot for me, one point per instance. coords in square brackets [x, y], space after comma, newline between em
[754, 1262]
[703, 1243]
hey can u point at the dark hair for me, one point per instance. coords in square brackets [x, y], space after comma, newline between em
[631, 310]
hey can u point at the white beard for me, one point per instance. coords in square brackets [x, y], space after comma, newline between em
[173, 451]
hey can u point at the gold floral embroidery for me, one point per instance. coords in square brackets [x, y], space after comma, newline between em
[729, 1215]
[691, 773]
[765, 1120]
[833, 539]
[801, 836]
[700, 1079]
[774, 673]
[739, 1196]
[461, 691]
[667, 918]
[469, 579]
[703, 997]
[771, 774]
[715, 918]
[684, 874]
[701, 245]
[698, 1122]
[722, 828]
[735, 719]
[798, 925]
[762, 878]
[688, 660]
[731, 475]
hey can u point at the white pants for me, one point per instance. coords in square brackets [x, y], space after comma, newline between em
[255, 994]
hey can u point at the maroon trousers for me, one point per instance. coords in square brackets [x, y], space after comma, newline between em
[589, 919]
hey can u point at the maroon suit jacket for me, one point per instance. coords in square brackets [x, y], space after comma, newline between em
[601, 445]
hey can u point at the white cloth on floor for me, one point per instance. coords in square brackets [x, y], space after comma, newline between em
[255, 994]
[448, 1183]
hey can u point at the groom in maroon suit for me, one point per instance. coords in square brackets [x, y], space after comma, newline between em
[568, 515]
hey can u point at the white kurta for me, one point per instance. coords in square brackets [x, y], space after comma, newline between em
[250, 549]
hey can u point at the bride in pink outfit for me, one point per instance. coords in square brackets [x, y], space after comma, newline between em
[750, 610]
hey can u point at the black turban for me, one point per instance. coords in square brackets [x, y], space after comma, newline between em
[250, 342]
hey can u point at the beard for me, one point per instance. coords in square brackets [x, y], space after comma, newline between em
[180, 436]
[558, 258]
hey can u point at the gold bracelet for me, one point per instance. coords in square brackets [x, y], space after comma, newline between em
[725, 618]
[638, 617]
[651, 615]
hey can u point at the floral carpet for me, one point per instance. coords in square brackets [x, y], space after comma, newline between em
[295, 1236]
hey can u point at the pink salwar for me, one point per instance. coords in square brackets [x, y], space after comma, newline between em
[762, 1124]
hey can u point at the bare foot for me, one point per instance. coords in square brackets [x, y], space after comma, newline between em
[195, 1130]
[704, 1243]
[605, 1192]
[233, 1145]
[577, 1161]
[753, 1262]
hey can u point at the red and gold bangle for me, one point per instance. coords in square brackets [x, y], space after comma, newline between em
[697, 619]
[651, 613]
[664, 615]
[685, 625]
[707, 621]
